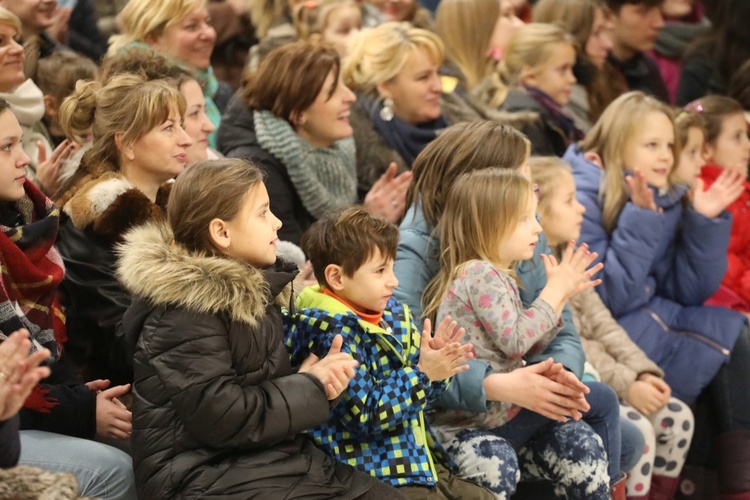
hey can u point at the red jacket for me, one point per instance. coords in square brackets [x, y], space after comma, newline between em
[735, 288]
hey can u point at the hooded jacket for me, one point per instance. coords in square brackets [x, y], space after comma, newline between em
[546, 137]
[216, 407]
[659, 268]
[379, 424]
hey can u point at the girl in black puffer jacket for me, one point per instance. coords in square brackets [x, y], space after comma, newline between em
[217, 409]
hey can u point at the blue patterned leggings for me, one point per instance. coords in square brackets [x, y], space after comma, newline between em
[569, 455]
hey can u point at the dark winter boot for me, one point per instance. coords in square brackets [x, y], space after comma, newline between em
[734, 465]
[697, 483]
[662, 487]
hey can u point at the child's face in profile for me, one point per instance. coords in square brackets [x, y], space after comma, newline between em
[521, 242]
[252, 232]
[342, 26]
[691, 157]
[650, 150]
[555, 77]
[563, 214]
[372, 285]
[731, 149]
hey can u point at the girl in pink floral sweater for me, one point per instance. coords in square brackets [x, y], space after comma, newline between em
[490, 223]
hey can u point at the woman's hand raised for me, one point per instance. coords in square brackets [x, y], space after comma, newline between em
[387, 197]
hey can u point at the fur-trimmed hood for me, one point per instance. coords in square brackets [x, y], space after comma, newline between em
[104, 200]
[153, 268]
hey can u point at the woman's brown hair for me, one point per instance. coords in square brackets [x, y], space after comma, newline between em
[290, 78]
[459, 149]
[207, 190]
[144, 62]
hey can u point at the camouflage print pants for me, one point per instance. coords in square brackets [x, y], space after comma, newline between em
[569, 455]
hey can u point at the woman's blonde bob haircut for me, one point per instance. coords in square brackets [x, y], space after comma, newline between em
[466, 28]
[9, 18]
[143, 18]
[127, 107]
[379, 54]
[610, 138]
[482, 209]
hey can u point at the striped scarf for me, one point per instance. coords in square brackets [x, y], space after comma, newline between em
[31, 272]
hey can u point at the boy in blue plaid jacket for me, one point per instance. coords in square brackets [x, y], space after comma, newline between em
[378, 425]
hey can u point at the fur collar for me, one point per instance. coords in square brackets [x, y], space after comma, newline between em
[110, 205]
[152, 267]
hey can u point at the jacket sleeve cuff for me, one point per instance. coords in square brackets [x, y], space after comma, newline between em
[309, 406]
[466, 390]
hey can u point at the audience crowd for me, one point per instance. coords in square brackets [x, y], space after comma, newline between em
[375, 249]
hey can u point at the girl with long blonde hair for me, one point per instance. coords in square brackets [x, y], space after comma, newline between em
[490, 223]
[537, 75]
[664, 254]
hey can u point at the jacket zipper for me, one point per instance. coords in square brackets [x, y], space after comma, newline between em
[422, 425]
[696, 336]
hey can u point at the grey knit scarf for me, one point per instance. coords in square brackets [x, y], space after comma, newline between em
[324, 178]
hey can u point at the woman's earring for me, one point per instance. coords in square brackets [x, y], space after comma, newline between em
[386, 112]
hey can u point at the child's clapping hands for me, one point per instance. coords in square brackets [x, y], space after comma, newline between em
[443, 355]
[571, 276]
[334, 371]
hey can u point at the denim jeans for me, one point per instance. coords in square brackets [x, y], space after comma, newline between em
[101, 470]
[603, 417]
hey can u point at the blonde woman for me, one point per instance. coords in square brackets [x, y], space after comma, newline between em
[181, 29]
[393, 69]
[138, 145]
[150, 65]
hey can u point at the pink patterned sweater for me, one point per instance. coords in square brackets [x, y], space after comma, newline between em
[485, 301]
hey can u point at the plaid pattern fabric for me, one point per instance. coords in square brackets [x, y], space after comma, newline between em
[31, 272]
[378, 425]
